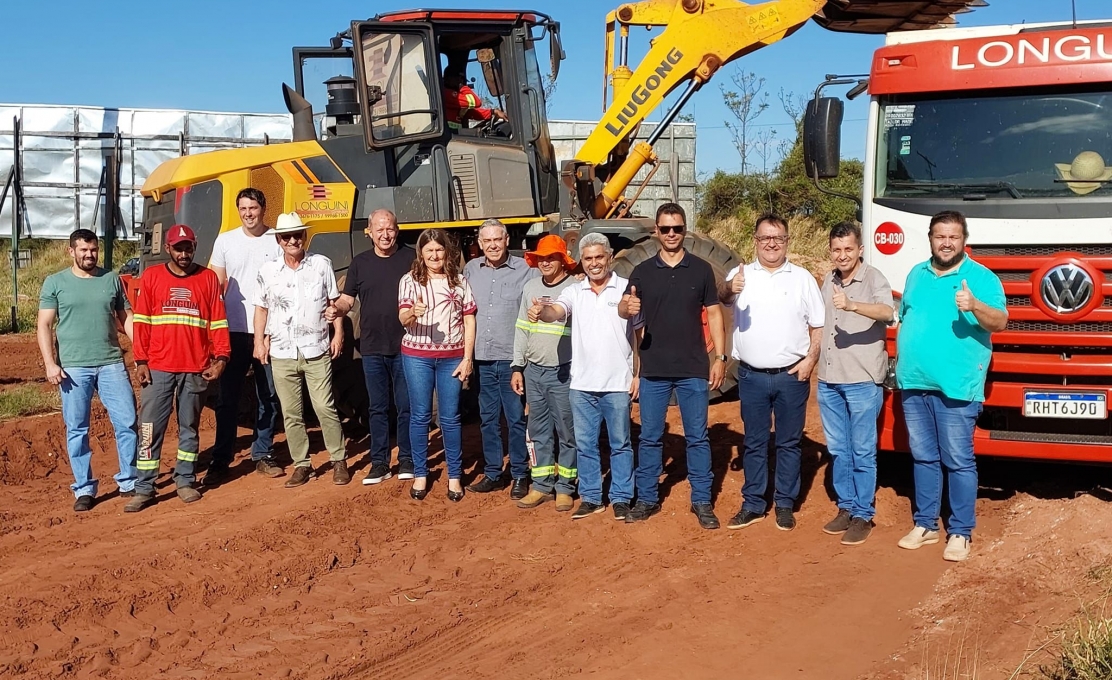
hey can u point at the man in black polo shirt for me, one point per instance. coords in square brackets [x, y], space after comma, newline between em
[671, 290]
[373, 277]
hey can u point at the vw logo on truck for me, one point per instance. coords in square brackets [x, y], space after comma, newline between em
[1067, 288]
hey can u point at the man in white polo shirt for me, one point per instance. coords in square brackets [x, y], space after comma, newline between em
[603, 375]
[778, 318]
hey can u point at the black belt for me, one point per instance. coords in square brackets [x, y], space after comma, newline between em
[770, 371]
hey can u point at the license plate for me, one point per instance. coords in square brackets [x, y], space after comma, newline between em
[1081, 405]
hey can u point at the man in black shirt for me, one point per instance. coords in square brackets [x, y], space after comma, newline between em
[373, 278]
[671, 290]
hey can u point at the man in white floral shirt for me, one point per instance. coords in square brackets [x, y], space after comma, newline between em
[291, 296]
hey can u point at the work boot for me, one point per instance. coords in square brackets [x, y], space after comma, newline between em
[188, 494]
[839, 524]
[533, 499]
[268, 467]
[138, 502]
[340, 474]
[519, 489]
[83, 503]
[918, 537]
[858, 532]
[563, 502]
[301, 475]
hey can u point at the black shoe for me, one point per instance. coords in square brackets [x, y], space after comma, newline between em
[301, 475]
[839, 524]
[743, 519]
[858, 532]
[587, 508]
[419, 494]
[486, 485]
[218, 474]
[267, 467]
[520, 489]
[705, 513]
[83, 504]
[378, 474]
[641, 511]
[785, 519]
[456, 496]
[405, 470]
[621, 511]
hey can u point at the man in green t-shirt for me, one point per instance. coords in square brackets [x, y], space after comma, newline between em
[950, 308]
[88, 302]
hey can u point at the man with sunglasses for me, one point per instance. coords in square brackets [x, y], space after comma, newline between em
[671, 290]
[778, 320]
[291, 297]
[291, 333]
[181, 345]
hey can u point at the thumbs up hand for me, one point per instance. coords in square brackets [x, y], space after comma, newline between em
[964, 298]
[737, 284]
[534, 311]
[419, 307]
[839, 297]
[330, 312]
[632, 302]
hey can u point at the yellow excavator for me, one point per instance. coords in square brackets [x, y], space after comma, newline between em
[385, 139]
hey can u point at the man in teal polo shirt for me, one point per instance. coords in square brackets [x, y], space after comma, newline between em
[951, 305]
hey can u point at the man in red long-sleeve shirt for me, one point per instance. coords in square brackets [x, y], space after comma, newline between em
[181, 344]
[462, 104]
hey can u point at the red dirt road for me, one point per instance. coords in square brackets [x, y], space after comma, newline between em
[362, 582]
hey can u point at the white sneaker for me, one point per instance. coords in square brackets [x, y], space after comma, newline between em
[957, 549]
[918, 537]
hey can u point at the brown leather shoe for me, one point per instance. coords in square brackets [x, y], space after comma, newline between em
[563, 502]
[188, 494]
[340, 474]
[301, 475]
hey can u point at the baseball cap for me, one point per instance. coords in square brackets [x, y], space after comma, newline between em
[179, 233]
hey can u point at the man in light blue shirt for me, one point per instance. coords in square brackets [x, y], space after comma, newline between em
[951, 305]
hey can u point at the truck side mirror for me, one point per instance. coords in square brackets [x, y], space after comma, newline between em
[822, 137]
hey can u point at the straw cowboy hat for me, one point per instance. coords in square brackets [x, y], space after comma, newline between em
[289, 223]
[550, 245]
[1086, 174]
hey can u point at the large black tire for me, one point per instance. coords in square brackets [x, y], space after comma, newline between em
[721, 259]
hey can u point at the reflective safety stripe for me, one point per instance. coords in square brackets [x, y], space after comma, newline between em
[472, 102]
[543, 328]
[544, 471]
[454, 125]
[217, 325]
[187, 456]
[141, 318]
[147, 464]
[567, 473]
[171, 320]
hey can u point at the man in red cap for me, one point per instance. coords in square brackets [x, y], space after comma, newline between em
[542, 371]
[181, 345]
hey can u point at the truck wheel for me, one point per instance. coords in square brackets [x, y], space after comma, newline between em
[721, 259]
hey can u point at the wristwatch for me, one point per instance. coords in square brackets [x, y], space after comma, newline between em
[723, 358]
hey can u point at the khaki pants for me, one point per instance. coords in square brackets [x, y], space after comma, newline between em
[316, 375]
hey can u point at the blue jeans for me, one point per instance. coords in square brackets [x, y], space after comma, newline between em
[589, 410]
[849, 415]
[496, 398]
[940, 431]
[381, 372]
[112, 385]
[692, 395]
[764, 395]
[422, 375]
[227, 411]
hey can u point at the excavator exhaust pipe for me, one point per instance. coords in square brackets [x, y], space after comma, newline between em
[302, 110]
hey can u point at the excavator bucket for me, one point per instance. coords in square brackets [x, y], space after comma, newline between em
[885, 16]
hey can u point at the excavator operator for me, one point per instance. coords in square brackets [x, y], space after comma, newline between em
[462, 104]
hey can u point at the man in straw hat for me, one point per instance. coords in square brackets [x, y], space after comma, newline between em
[1086, 173]
[542, 372]
[291, 297]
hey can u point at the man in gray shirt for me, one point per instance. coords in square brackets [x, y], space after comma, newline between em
[497, 280]
[852, 367]
[542, 363]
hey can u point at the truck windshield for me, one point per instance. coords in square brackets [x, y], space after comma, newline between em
[1031, 145]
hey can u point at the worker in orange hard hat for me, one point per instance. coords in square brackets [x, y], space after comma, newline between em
[462, 104]
[542, 371]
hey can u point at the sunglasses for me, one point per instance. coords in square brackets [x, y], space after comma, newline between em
[297, 236]
[672, 229]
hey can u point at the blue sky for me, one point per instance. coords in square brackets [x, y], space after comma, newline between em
[232, 56]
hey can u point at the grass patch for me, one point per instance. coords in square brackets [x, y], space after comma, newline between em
[809, 245]
[1087, 655]
[47, 256]
[28, 400]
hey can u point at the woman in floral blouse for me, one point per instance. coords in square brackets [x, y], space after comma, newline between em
[437, 309]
